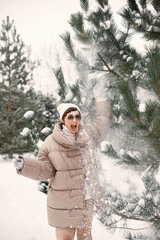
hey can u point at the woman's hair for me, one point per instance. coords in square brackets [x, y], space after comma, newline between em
[71, 109]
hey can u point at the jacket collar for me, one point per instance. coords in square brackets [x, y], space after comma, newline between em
[60, 137]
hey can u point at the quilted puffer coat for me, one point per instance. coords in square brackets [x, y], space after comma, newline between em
[60, 160]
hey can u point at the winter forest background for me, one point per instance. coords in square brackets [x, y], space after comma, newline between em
[97, 50]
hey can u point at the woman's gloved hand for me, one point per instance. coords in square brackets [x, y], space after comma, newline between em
[18, 163]
[100, 91]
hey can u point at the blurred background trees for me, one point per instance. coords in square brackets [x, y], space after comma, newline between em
[16, 92]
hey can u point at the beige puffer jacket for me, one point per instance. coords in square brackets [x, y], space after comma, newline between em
[60, 160]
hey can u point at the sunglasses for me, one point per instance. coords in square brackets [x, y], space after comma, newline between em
[71, 117]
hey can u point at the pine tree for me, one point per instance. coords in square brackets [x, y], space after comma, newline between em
[50, 111]
[16, 70]
[134, 138]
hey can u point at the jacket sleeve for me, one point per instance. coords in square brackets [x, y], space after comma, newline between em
[98, 129]
[40, 169]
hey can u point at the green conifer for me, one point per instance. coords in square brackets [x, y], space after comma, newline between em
[104, 54]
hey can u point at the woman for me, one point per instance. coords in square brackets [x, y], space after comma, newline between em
[66, 158]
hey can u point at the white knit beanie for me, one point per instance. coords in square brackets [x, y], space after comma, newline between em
[64, 106]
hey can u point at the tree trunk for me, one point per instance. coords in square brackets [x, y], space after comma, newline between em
[10, 133]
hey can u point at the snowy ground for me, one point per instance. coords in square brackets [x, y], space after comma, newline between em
[23, 214]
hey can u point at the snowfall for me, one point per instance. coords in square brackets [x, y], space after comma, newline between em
[23, 214]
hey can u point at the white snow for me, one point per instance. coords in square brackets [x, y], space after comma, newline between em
[125, 56]
[149, 29]
[129, 59]
[105, 145]
[149, 96]
[121, 52]
[142, 107]
[107, 24]
[157, 175]
[139, 22]
[105, 9]
[46, 130]
[29, 115]
[135, 73]
[141, 203]
[39, 144]
[25, 132]
[121, 179]
[118, 36]
[93, 7]
[23, 213]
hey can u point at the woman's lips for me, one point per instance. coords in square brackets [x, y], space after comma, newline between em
[73, 126]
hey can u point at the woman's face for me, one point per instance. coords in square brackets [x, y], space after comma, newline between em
[72, 121]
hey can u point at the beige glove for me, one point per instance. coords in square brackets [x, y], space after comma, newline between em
[100, 91]
[18, 163]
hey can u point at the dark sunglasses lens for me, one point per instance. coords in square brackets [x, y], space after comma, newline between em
[77, 117]
[70, 117]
